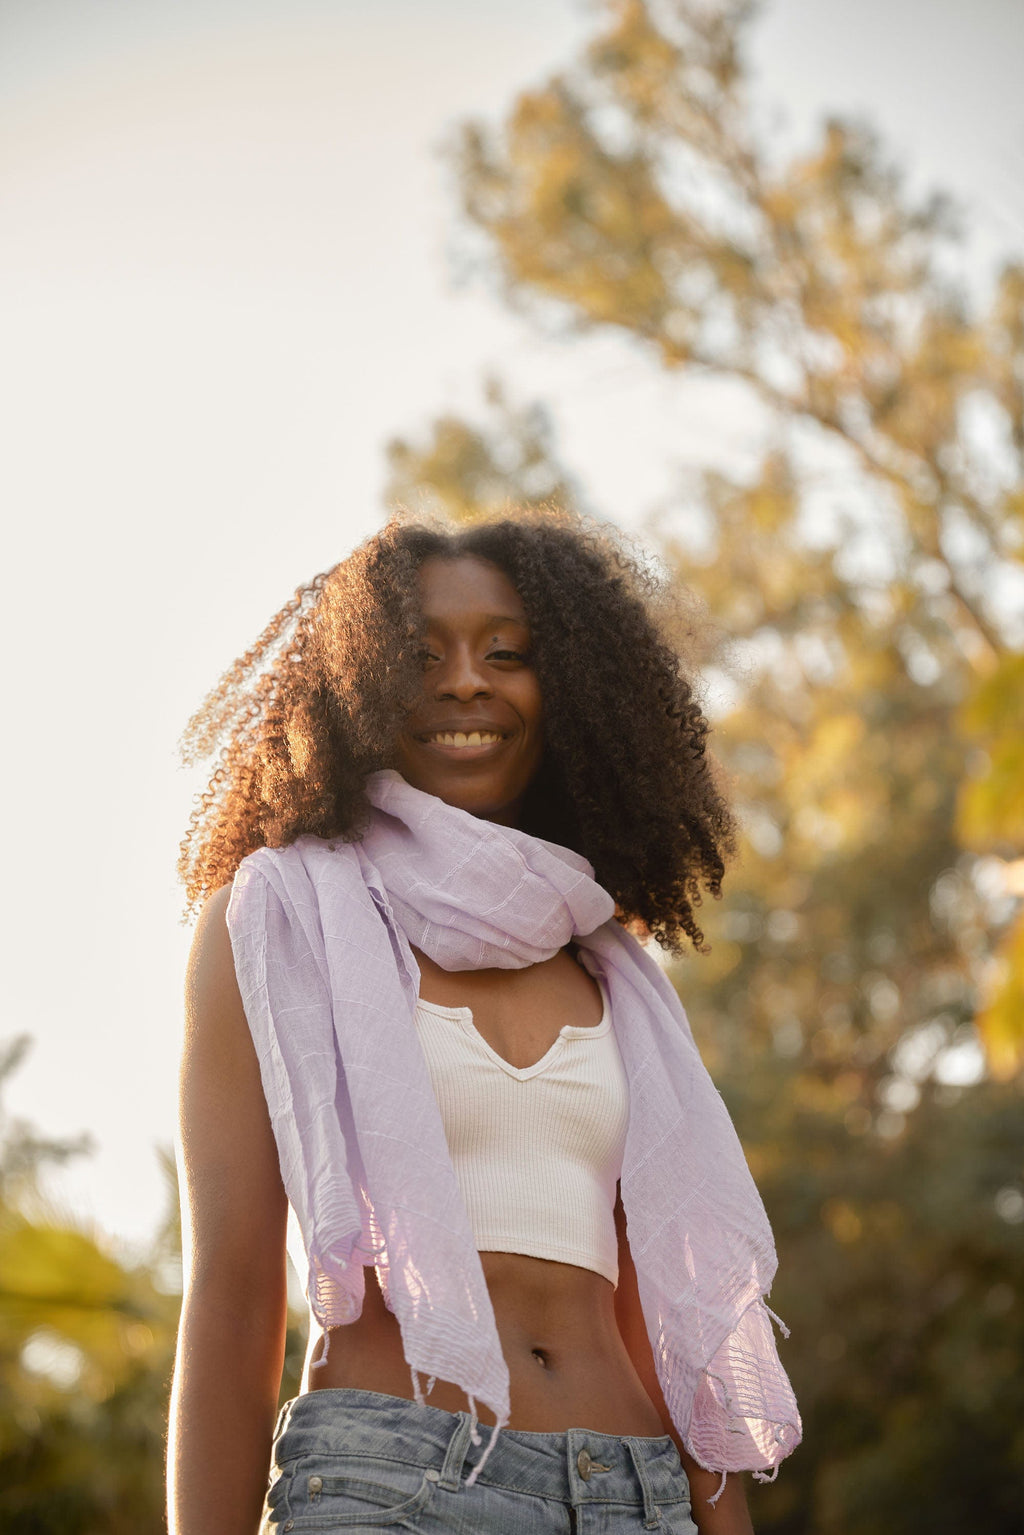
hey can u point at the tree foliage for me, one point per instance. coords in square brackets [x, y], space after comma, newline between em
[991, 816]
[468, 473]
[87, 1341]
[898, 1260]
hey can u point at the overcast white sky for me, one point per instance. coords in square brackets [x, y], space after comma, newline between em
[223, 286]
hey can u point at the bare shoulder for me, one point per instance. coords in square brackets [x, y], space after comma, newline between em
[217, 1039]
[210, 978]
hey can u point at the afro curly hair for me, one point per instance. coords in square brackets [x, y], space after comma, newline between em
[316, 705]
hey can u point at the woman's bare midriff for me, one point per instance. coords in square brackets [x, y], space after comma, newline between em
[568, 1365]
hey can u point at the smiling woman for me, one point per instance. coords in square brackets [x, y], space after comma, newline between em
[451, 773]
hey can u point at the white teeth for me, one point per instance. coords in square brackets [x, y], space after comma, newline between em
[460, 738]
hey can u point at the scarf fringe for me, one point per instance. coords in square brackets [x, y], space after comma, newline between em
[721, 1488]
[481, 1463]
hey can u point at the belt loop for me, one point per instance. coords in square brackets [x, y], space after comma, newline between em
[652, 1517]
[455, 1455]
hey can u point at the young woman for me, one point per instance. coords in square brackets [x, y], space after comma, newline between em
[453, 772]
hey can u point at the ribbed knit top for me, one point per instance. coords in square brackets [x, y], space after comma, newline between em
[537, 1150]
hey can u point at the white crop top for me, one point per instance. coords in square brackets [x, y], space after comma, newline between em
[537, 1150]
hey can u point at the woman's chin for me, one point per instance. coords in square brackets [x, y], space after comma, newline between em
[479, 799]
[484, 807]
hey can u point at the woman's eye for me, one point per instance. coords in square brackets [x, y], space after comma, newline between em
[506, 655]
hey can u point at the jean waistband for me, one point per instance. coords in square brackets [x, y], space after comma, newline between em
[576, 1467]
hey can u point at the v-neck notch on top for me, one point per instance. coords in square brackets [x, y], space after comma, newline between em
[464, 1017]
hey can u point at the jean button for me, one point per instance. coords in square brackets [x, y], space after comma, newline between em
[583, 1464]
[432, 1475]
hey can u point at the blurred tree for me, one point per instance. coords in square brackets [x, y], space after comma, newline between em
[866, 578]
[899, 1272]
[22, 1150]
[469, 471]
[86, 1350]
[86, 1342]
[991, 815]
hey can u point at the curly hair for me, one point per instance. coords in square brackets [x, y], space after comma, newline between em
[316, 705]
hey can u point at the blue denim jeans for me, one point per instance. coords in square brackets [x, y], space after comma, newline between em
[357, 1460]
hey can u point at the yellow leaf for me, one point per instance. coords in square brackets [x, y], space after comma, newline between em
[1000, 1024]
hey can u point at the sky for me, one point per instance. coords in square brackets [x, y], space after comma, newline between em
[226, 280]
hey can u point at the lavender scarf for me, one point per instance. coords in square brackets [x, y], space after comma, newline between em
[321, 935]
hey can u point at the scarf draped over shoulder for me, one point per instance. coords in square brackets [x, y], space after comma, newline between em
[321, 936]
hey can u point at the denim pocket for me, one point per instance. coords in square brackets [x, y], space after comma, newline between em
[371, 1495]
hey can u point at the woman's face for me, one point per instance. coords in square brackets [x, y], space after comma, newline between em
[475, 738]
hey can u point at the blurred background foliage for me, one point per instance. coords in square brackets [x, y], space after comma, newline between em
[86, 1341]
[862, 1007]
[87, 1338]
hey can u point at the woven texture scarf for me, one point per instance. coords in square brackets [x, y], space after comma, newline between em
[321, 936]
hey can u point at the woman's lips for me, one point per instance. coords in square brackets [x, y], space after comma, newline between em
[466, 745]
[462, 737]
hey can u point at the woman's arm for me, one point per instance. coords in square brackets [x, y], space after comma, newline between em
[227, 1373]
[728, 1516]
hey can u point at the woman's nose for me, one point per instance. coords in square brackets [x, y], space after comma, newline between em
[459, 676]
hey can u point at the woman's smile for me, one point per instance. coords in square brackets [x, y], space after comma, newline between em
[475, 738]
[461, 740]
[464, 744]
